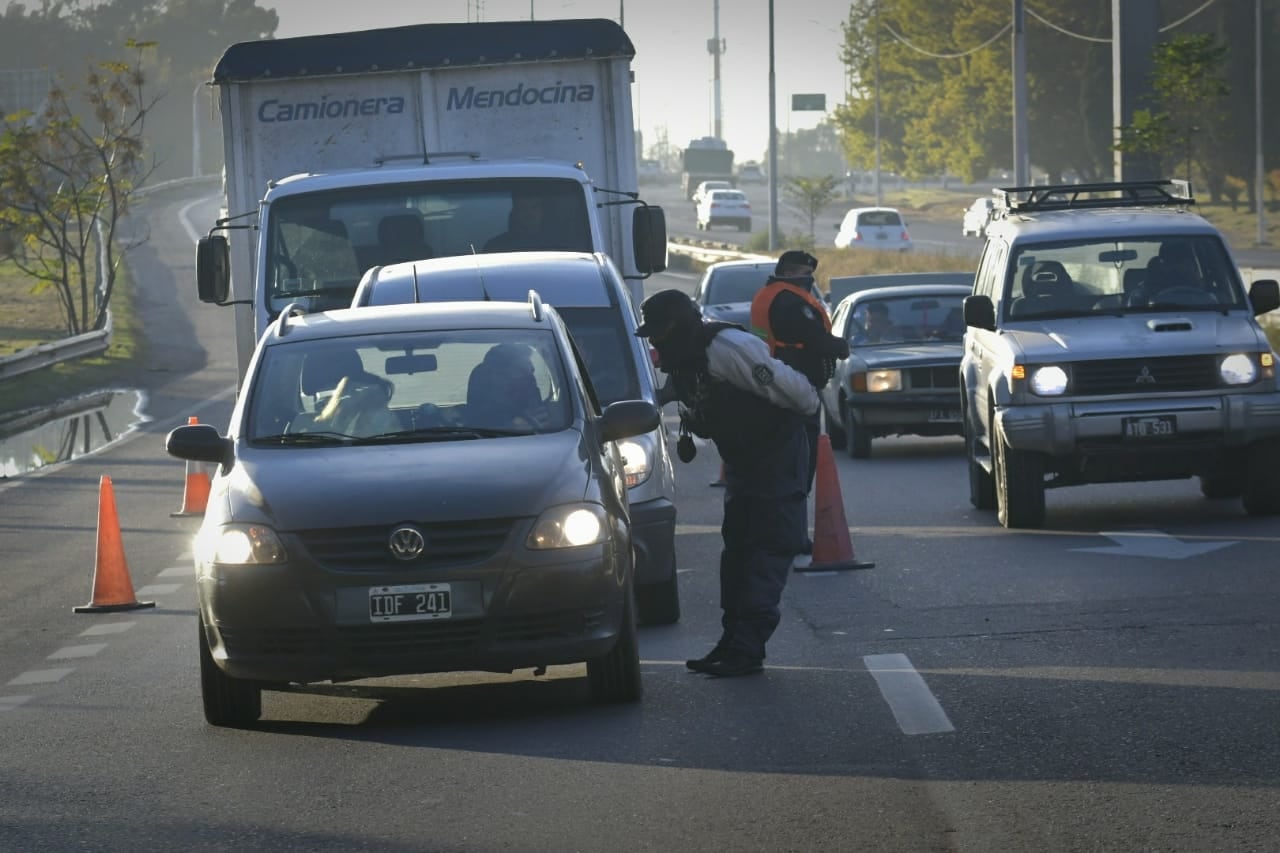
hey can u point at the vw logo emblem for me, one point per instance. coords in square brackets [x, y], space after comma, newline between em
[407, 543]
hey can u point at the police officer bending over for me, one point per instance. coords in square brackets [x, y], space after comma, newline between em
[753, 407]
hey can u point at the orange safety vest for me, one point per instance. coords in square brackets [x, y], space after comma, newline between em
[763, 302]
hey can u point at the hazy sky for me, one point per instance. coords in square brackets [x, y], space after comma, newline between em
[673, 69]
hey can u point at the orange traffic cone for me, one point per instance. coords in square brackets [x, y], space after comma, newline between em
[195, 495]
[112, 588]
[832, 549]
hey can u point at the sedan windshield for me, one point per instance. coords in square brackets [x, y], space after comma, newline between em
[428, 386]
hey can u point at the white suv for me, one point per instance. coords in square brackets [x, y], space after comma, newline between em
[1110, 339]
[724, 207]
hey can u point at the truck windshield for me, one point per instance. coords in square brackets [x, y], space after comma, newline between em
[320, 244]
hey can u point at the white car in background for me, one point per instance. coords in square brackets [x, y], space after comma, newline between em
[976, 217]
[724, 207]
[878, 228]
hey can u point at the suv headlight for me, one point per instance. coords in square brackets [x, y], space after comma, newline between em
[1238, 369]
[568, 526]
[637, 459]
[1049, 381]
[239, 545]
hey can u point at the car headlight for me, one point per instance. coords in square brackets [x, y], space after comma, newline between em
[637, 459]
[884, 380]
[568, 526]
[1238, 369]
[239, 545]
[1049, 381]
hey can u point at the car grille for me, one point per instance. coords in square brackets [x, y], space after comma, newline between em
[367, 548]
[1145, 375]
[420, 638]
[934, 377]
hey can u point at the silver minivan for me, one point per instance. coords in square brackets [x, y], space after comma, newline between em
[591, 296]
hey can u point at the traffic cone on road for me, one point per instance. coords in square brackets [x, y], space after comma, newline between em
[832, 548]
[112, 588]
[195, 495]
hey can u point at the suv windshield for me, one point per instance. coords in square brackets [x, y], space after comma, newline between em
[320, 244]
[396, 387]
[1086, 277]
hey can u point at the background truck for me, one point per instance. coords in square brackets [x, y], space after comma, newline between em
[352, 150]
[706, 159]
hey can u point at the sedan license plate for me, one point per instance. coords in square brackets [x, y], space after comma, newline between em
[944, 416]
[1158, 426]
[415, 602]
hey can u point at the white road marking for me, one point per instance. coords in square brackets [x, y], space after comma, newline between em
[107, 628]
[8, 703]
[159, 589]
[177, 572]
[41, 676]
[913, 705]
[86, 651]
[1153, 543]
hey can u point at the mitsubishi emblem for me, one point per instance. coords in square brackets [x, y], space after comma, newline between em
[407, 543]
[1145, 377]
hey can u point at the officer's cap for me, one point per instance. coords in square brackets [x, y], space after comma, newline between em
[795, 258]
[663, 311]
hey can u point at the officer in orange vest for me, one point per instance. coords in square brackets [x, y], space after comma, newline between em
[793, 320]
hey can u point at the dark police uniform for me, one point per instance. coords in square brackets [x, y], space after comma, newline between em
[753, 407]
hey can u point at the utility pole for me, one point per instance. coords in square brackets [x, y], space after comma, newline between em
[773, 143]
[1258, 184]
[715, 46]
[1021, 157]
[879, 189]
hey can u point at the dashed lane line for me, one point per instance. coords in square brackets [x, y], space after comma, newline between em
[40, 676]
[916, 709]
[87, 650]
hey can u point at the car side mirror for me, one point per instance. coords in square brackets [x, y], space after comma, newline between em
[213, 269]
[979, 312]
[1264, 295]
[626, 418]
[199, 443]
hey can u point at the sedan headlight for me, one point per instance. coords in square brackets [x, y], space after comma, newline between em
[875, 381]
[239, 545]
[568, 526]
[637, 459]
[1238, 369]
[1049, 381]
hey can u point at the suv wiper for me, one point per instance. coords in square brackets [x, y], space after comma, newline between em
[315, 438]
[439, 433]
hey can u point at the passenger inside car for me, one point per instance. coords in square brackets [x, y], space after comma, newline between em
[355, 401]
[502, 391]
[1046, 288]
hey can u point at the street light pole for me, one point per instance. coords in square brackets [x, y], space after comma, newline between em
[773, 143]
[1257, 130]
[879, 189]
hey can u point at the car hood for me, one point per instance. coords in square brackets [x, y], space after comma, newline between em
[305, 488]
[730, 312]
[900, 355]
[1134, 335]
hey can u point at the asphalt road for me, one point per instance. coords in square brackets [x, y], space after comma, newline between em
[1107, 683]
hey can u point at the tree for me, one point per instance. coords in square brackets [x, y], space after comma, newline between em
[810, 196]
[68, 180]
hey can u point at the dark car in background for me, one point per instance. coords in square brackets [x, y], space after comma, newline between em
[414, 489]
[902, 376]
[726, 289]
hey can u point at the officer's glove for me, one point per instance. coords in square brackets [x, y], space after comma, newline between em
[836, 347]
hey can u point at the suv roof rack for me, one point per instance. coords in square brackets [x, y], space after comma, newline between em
[1166, 193]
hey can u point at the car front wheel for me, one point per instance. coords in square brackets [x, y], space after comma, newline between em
[857, 438]
[1019, 476]
[982, 488]
[835, 431]
[227, 701]
[615, 677]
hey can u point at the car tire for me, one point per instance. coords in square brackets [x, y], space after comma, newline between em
[982, 486]
[615, 677]
[857, 439]
[1019, 476]
[835, 431]
[1222, 484]
[228, 701]
[659, 603]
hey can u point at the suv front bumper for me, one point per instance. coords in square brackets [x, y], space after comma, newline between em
[1217, 422]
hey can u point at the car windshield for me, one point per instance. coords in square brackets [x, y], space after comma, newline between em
[423, 386]
[1108, 276]
[320, 244]
[879, 217]
[734, 284]
[907, 319]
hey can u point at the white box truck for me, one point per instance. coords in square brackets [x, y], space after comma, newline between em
[351, 150]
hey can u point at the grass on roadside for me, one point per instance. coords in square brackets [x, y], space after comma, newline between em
[31, 319]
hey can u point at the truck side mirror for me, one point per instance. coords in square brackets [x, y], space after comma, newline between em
[649, 236]
[213, 269]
